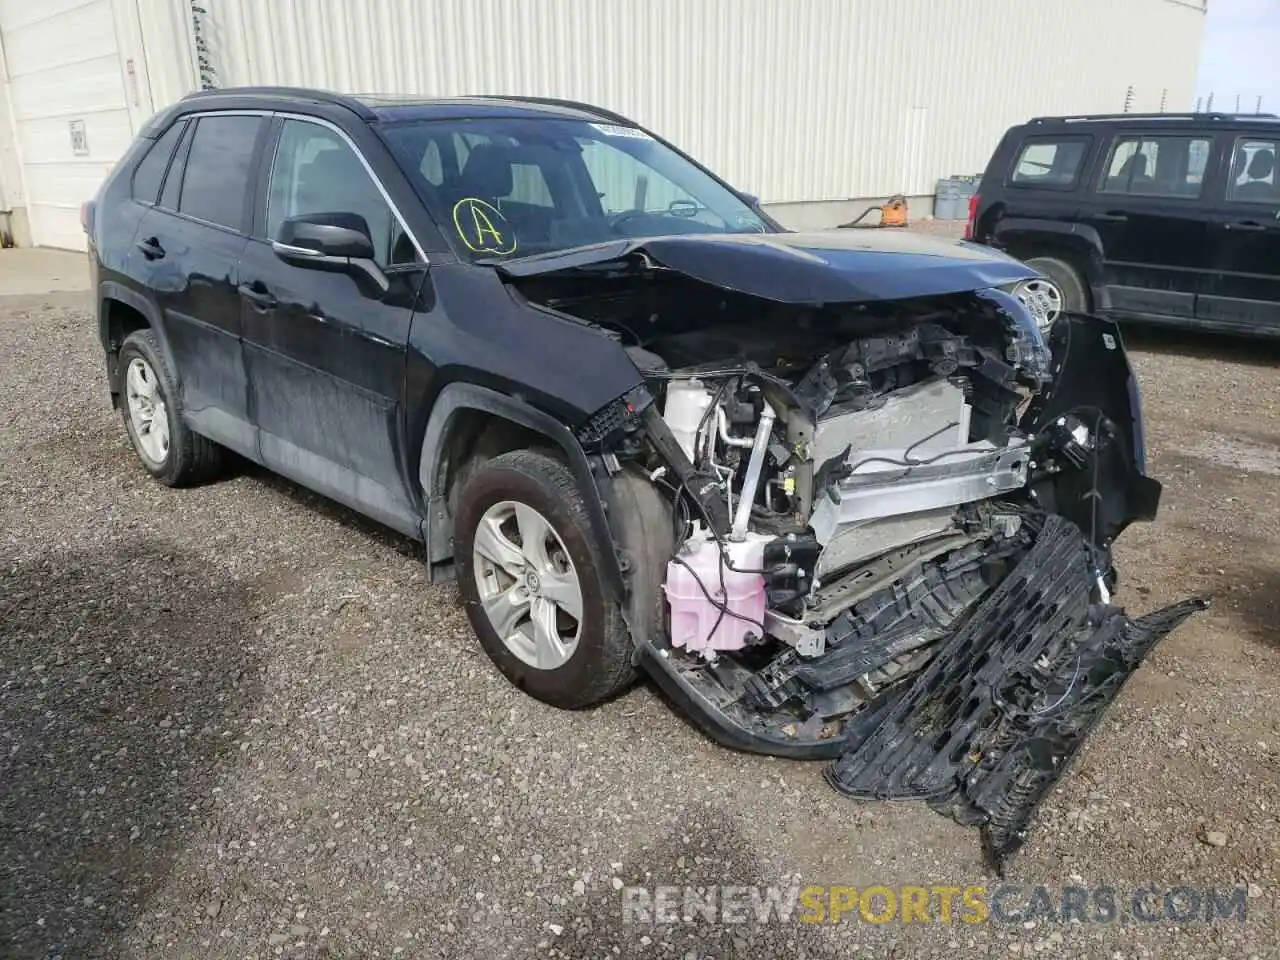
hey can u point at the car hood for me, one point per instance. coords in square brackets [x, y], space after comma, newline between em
[829, 266]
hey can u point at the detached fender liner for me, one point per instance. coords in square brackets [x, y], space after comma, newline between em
[984, 732]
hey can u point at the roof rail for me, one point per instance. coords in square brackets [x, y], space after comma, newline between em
[1156, 116]
[288, 93]
[600, 112]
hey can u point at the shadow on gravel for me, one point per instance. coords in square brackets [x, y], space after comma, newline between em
[1206, 346]
[121, 675]
[1247, 582]
[1259, 605]
[330, 509]
[702, 863]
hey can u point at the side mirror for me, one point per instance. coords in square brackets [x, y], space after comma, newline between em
[333, 242]
[751, 200]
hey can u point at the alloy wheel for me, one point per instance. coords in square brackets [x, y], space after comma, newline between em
[1043, 298]
[528, 586]
[148, 412]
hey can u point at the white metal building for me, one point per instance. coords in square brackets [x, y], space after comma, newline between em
[818, 107]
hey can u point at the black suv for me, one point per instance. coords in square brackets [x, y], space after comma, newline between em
[805, 481]
[1165, 218]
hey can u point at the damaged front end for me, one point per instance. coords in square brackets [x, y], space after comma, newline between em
[875, 531]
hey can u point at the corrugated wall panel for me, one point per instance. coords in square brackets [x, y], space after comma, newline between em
[823, 100]
[164, 43]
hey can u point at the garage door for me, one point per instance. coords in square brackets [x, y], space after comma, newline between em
[76, 101]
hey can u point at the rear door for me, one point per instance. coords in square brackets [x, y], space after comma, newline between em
[188, 247]
[325, 351]
[1246, 239]
[1153, 215]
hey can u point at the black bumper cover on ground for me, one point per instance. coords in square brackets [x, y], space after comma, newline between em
[984, 732]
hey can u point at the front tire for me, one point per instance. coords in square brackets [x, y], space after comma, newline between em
[152, 410]
[529, 569]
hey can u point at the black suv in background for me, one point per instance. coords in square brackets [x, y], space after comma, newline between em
[1165, 218]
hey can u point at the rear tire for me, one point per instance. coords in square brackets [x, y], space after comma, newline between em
[151, 406]
[528, 561]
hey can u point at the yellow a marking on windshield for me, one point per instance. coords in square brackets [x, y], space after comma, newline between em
[482, 234]
[484, 225]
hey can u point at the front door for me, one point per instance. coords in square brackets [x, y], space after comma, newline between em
[325, 352]
[188, 248]
[1151, 213]
[1246, 241]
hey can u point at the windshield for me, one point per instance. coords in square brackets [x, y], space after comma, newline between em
[509, 188]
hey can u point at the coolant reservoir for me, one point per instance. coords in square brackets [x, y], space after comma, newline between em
[687, 403]
[737, 614]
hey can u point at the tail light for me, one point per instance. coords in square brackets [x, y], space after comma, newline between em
[972, 225]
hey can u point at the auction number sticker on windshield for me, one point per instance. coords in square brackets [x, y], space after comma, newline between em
[483, 228]
[617, 130]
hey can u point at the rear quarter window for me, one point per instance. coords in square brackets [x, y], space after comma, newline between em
[1049, 163]
[149, 173]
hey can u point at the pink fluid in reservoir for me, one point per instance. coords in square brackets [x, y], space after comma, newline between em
[736, 616]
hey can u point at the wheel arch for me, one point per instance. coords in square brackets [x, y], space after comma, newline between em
[122, 311]
[468, 420]
[1077, 244]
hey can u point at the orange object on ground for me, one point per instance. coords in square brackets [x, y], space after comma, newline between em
[894, 212]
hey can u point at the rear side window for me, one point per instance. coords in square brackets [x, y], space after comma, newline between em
[1052, 163]
[1157, 166]
[1253, 171]
[150, 170]
[218, 168]
[173, 179]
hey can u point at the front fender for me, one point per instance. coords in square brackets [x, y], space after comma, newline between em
[437, 528]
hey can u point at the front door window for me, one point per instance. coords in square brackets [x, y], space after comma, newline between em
[316, 172]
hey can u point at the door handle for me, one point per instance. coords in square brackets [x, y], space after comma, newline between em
[1112, 217]
[258, 295]
[1244, 225]
[151, 248]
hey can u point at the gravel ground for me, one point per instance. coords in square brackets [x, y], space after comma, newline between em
[236, 722]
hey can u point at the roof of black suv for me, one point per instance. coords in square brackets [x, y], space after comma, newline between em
[1152, 118]
[374, 107]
